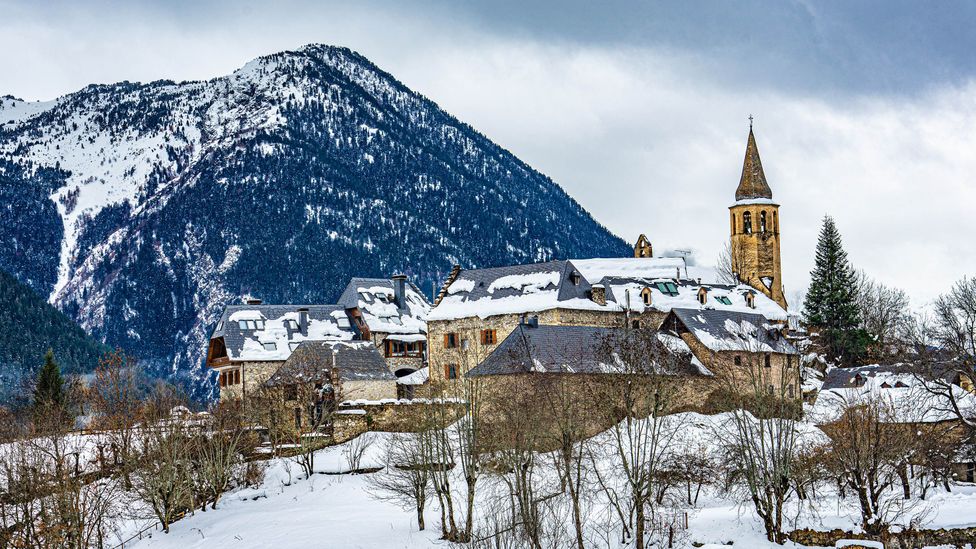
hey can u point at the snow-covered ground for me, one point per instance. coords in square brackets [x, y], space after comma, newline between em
[340, 511]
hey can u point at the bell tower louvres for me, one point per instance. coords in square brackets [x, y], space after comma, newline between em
[754, 221]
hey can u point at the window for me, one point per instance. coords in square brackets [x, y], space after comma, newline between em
[769, 362]
[723, 300]
[733, 224]
[667, 288]
[489, 337]
[747, 222]
[762, 221]
[396, 348]
[886, 385]
[270, 346]
[635, 324]
[220, 325]
[646, 296]
[737, 360]
[343, 322]
[702, 296]
[771, 389]
[366, 297]
[259, 324]
[450, 340]
[241, 324]
[450, 371]
[298, 418]
[237, 377]
[291, 324]
[383, 298]
[223, 379]
[900, 385]
[291, 392]
[750, 299]
[250, 324]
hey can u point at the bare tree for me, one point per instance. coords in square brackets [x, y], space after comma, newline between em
[953, 333]
[730, 264]
[163, 478]
[868, 448]
[221, 450]
[883, 311]
[116, 405]
[760, 436]
[406, 480]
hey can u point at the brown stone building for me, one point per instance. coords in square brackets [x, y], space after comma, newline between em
[742, 346]
[479, 308]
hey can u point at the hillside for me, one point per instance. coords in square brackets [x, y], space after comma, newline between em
[29, 326]
[143, 208]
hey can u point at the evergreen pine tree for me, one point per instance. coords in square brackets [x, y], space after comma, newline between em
[50, 384]
[831, 302]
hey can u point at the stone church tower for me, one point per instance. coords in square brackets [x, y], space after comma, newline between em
[754, 221]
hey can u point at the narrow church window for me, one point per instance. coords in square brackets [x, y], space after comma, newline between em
[762, 221]
[775, 223]
[733, 224]
[747, 222]
[738, 360]
[768, 361]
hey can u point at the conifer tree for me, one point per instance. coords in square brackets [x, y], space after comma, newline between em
[831, 302]
[50, 384]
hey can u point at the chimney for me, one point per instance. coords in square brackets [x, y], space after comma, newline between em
[532, 321]
[252, 301]
[598, 293]
[303, 320]
[400, 291]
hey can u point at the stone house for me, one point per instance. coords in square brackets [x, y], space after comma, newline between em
[583, 368]
[478, 308]
[319, 375]
[736, 344]
[394, 312]
[252, 341]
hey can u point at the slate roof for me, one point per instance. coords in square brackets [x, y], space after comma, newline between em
[313, 361]
[245, 343]
[908, 374]
[571, 350]
[721, 330]
[537, 287]
[373, 297]
[752, 183]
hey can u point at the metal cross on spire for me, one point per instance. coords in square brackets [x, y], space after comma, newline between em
[750, 121]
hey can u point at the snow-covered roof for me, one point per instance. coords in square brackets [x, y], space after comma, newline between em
[537, 287]
[313, 361]
[417, 378]
[272, 332]
[903, 389]
[376, 300]
[577, 350]
[726, 330]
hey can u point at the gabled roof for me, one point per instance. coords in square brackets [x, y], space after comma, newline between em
[521, 289]
[721, 330]
[313, 361]
[246, 340]
[752, 183]
[375, 299]
[575, 350]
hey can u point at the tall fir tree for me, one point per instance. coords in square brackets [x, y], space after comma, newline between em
[50, 384]
[831, 302]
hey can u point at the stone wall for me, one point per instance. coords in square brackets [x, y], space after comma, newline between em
[402, 416]
[253, 376]
[722, 364]
[907, 539]
[372, 389]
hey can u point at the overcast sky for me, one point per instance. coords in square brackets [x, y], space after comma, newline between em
[865, 111]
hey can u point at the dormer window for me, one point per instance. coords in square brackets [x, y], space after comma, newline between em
[250, 324]
[291, 324]
[574, 277]
[702, 295]
[750, 299]
[646, 296]
[886, 385]
[900, 385]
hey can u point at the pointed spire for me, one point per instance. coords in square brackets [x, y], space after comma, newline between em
[752, 184]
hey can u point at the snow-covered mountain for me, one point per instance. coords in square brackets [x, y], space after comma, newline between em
[141, 209]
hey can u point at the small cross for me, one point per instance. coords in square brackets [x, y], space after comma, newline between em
[750, 121]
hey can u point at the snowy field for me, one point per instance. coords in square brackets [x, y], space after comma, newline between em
[333, 510]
